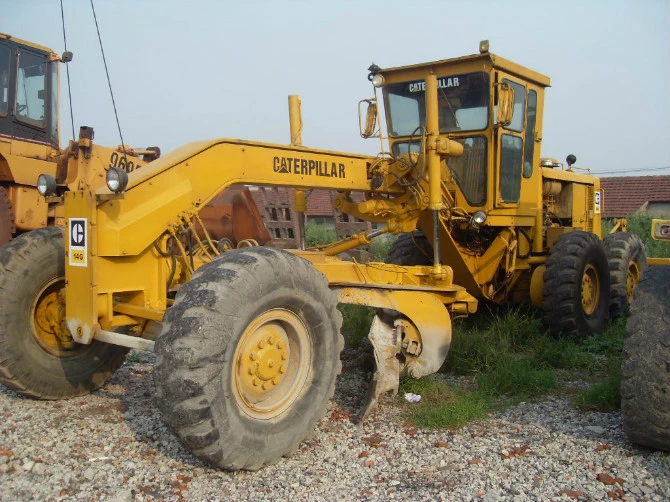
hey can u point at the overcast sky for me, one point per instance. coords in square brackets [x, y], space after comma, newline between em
[186, 70]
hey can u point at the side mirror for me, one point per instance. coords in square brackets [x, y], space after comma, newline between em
[66, 57]
[505, 104]
[370, 126]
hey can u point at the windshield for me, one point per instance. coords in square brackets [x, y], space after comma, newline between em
[463, 102]
[30, 89]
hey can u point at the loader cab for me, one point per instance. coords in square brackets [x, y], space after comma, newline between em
[28, 99]
[493, 107]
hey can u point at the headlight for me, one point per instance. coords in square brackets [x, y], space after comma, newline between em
[378, 80]
[479, 217]
[117, 179]
[46, 184]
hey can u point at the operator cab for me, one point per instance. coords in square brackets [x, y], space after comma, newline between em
[489, 105]
[28, 93]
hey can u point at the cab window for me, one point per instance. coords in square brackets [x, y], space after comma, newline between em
[510, 167]
[4, 80]
[53, 129]
[519, 106]
[530, 135]
[31, 89]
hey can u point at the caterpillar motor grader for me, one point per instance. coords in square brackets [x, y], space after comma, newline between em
[248, 350]
[29, 146]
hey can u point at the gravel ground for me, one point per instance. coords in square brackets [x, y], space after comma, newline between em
[112, 445]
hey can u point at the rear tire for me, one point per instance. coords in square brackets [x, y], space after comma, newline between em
[627, 261]
[248, 357]
[34, 361]
[576, 286]
[645, 384]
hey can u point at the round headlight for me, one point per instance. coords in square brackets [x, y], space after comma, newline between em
[479, 217]
[378, 80]
[117, 179]
[46, 184]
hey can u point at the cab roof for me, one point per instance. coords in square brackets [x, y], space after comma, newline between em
[484, 60]
[4, 36]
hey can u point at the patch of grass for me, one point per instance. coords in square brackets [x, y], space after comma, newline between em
[356, 321]
[561, 353]
[604, 395]
[519, 378]
[442, 406]
[609, 342]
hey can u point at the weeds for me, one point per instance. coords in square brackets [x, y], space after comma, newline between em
[510, 358]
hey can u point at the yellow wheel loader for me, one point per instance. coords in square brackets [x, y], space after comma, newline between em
[248, 350]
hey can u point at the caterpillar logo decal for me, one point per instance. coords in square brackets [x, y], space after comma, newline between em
[78, 242]
[305, 167]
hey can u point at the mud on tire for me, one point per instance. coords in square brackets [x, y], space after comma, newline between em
[32, 360]
[645, 384]
[248, 357]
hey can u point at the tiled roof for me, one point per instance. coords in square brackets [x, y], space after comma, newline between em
[626, 194]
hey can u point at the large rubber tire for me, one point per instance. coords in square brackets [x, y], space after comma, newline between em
[411, 249]
[7, 227]
[645, 384]
[233, 327]
[627, 261]
[575, 296]
[33, 361]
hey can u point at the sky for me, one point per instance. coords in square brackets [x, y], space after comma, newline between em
[190, 70]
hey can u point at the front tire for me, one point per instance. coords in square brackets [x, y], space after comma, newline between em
[645, 384]
[575, 296]
[37, 357]
[627, 261]
[248, 357]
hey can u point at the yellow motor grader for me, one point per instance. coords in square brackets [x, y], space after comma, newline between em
[249, 344]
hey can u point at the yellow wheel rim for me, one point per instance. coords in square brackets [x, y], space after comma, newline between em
[46, 319]
[632, 280]
[271, 364]
[590, 290]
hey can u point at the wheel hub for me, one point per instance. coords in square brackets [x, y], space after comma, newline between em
[272, 363]
[266, 361]
[48, 319]
[590, 290]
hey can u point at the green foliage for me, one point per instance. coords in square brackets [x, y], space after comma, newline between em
[609, 342]
[316, 235]
[442, 405]
[519, 378]
[604, 395]
[356, 321]
[641, 225]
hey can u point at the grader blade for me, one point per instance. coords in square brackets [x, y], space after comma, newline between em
[387, 347]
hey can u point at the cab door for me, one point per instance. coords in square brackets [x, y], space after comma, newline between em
[510, 147]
